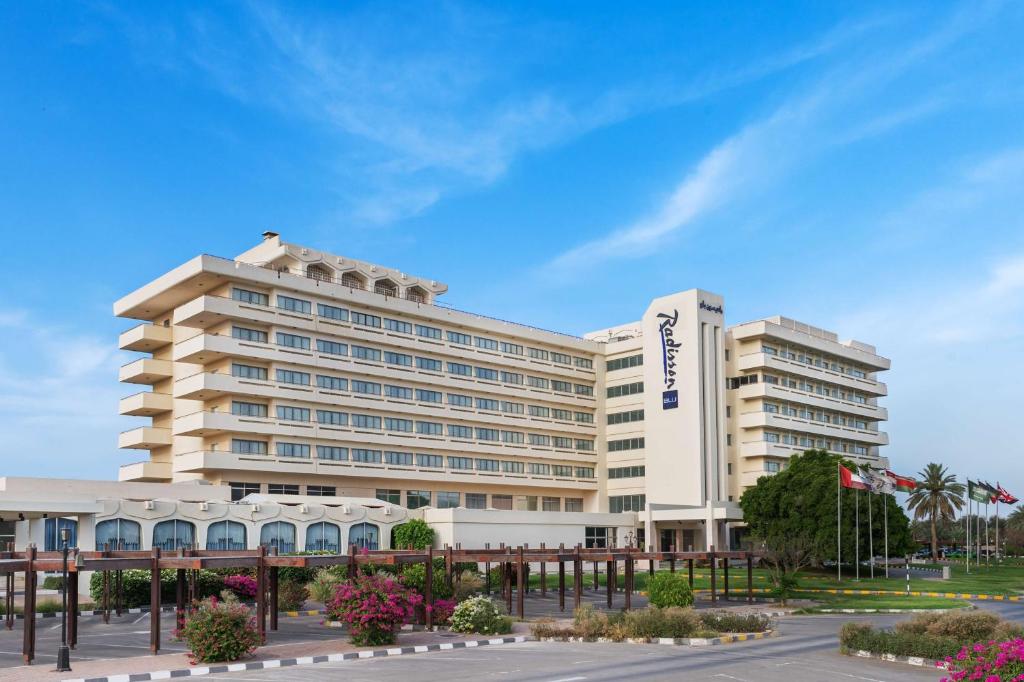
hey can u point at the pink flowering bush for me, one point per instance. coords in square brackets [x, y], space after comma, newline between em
[373, 607]
[442, 610]
[242, 585]
[217, 631]
[991, 662]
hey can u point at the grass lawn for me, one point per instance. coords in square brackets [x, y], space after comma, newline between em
[842, 601]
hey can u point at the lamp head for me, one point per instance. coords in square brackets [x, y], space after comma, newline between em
[65, 534]
[79, 560]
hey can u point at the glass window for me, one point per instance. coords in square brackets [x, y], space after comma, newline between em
[332, 418]
[332, 312]
[624, 363]
[551, 504]
[397, 326]
[278, 534]
[296, 305]
[511, 348]
[486, 465]
[486, 344]
[625, 444]
[248, 371]
[540, 439]
[366, 456]
[332, 453]
[225, 535]
[459, 338]
[538, 354]
[364, 353]
[390, 496]
[514, 437]
[246, 334]
[247, 296]
[240, 446]
[487, 404]
[364, 536]
[323, 537]
[582, 389]
[321, 490]
[561, 415]
[291, 413]
[368, 387]
[561, 386]
[626, 417]
[447, 500]
[561, 358]
[458, 431]
[248, 409]
[52, 527]
[585, 445]
[331, 383]
[174, 535]
[398, 359]
[429, 364]
[501, 502]
[513, 467]
[240, 490]
[584, 363]
[487, 434]
[292, 341]
[289, 376]
[584, 472]
[396, 424]
[365, 320]
[512, 408]
[331, 347]
[574, 504]
[119, 534]
[414, 499]
[583, 417]
[512, 378]
[432, 461]
[403, 459]
[460, 369]
[626, 389]
[293, 450]
[460, 463]
[537, 382]
[460, 400]
[428, 332]
[282, 489]
[539, 411]
[596, 538]
[625, 503]
[425, 396]
[476, 501]
[539, 469]
[398, 392]
[429, 428]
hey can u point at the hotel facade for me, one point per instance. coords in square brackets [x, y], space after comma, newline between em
[289, 371]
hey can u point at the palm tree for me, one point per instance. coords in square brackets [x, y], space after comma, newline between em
[1016, 519]
[937, 497]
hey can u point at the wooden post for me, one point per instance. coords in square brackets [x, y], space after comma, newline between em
[9, 602]
[543, 575]
[273, 592]
[521, 586]
[261, 594]
[628, 570]
[154, 602]
[181, 586]
[28, 648]
[561, 578]
[487, 571]
[609, 584]
[106, 587]
[613, 576]
[690, 570]
[577, 574]
[352, 569]
[597, 580]
[119, 585]
[725, 576]
[428, 589]
[750, 578]
[714, 585]
[449, 567]
[650, 561]
[72, 588]
[508, 582]
[672, 560]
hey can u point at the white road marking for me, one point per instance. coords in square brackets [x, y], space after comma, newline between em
[568, 679]
[140, 618]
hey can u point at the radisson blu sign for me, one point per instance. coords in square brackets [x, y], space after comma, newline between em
[669, 348]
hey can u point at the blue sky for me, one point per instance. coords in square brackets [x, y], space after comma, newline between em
[855, 166]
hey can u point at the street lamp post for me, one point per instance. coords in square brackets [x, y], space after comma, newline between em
[63, 653]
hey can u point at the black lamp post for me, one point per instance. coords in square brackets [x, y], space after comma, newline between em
[63, 652]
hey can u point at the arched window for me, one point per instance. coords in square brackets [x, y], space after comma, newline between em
[225, 535]
[120, 534]
[323, 537]
[278, 534]
[318, 272]
[173, 535]
[386, 287]
[52, 528]
[353, 281]
[364, 536]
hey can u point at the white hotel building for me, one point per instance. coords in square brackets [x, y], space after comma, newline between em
[289, 371]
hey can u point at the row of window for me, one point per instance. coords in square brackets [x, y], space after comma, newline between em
[799, 354]
[800, 384]
[415, 499]
[626, 389]
[638, 471]
[812, 442]
[625, 417]
[331, 312]
[626, 503]
[624, 363]
[626, 444]
[802, 412]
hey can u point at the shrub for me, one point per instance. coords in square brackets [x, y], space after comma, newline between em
[415, 576]
[964, 626]
[53, 582]
[441, 611]
[468, 584]
[682, 622]
[135, 584]
[995, 661]
[547, 628]
[373, 607]
[480, 614]
[415, 533]
[323, 585]
[861, 636]
[243, 586]
[291, 596]
[220, 631]
[723, 621]
[589, 623]
[669, 589]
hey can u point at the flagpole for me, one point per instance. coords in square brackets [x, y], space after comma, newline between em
[885, 501]
[988, 547]
[856, 534]
[997, 528]
[871, 539]
[839, 525]
[967, 525]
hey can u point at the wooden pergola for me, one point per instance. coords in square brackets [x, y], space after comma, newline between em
[514, 563]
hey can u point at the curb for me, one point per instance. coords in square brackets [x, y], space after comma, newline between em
[946, 595]
[893, 658]
[811, 612]
[163, 609]
[670, 641]
[306, 660]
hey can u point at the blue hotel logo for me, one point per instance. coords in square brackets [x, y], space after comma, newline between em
[669, 348]
[669, 400]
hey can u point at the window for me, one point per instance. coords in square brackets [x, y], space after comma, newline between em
[771, 467]
[174, 535]
[460, 462]
[538, 469]
[583, 417]
[584, 472]
[561, 415]
[293, 450]
[539, 411]
[365, 320]
[537, 382]
[248, 409]
[561, 386]
[52, 528]
[728, 439]
[400, 359]
[486, 344]
[321, 490]
[459, 431]
[246, 334]
[728, 468]
[247, 296]
[551, 504]
[364, 536]
[323, 537]
[574, 504]
[625, 444]
[248, 372]
[332, 418]
[294, 414]
[366, 456]
[770, 437]
[429, 364]
[562, 442]
[561, 470]
[248, 447]
[292, 341]
[331, 312]
[400, 459]
[331, 453]
[476, 501]
[119, 534]
[511, 437]
[460, 369]
[447, 500]
[365, 421]
[511, 408]
[537, 353]
[585, 445]
[626, 389]
[396, 424]
[511, 348]
[331, 347]
[290, 376]
[487, 434]
[561, 358]
[428, 332]
[278, 534]
[397, 326]
[425, 396]
[596, 538]
[513, 468]
[367, 387]
[583, 389]
[624, 363]
[414, 499]
[625, 503]
[540, 439]
[512, 378]
[583, 363]
[486, 465]
[429, 428]
[295, 305]
[364, 353]
[486, 373]
[459, 338]
[430, 461]
[501, 502]
[487, 404]
[627, 472]
[398, 392]
[389, 495]
[331, 383]
[240, 490]
[225, 535]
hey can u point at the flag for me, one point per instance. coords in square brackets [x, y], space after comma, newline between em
[904, 484]
[977, 492]
[1006, 497]
[878, 482]
[851, 480]
[993, 494]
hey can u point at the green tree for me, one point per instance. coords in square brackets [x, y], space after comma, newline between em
[1016, 519]
[797, 507]
[937, 497]
[415, 534]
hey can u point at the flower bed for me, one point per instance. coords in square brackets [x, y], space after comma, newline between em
[373, 607]
[219, 631]
[991, 662]
[648, 624]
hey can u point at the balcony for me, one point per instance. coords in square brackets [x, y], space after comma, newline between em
[145, 338]
[145, 472]
[760, 419]
[145, 371]
[146, 404]
[776, 392]
[144, 438]
[754, 361]
[760, 448]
